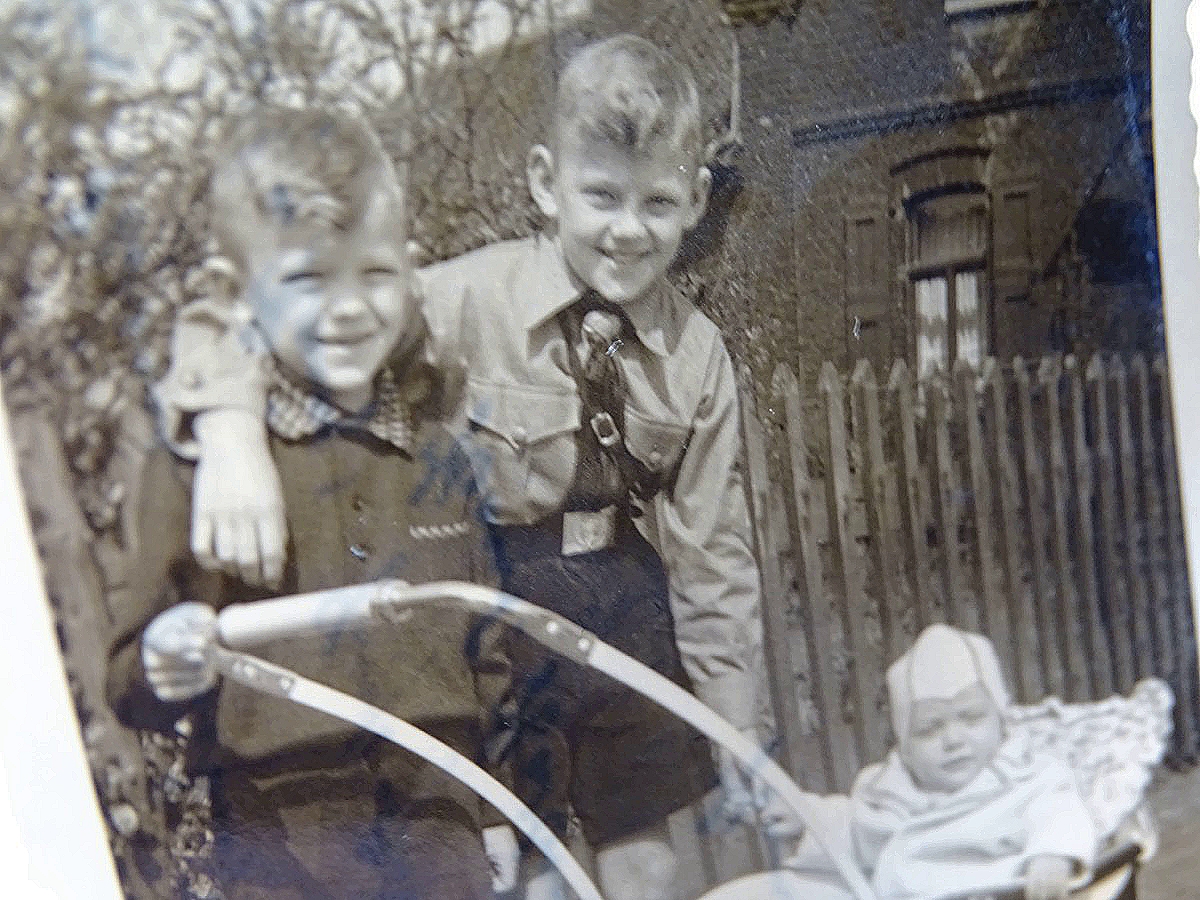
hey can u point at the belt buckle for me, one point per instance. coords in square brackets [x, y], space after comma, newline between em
[605, 429]
[587, 532]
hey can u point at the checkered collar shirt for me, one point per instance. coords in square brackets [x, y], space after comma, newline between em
[295, 414]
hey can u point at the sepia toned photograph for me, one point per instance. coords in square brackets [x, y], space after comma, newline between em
[548, 449]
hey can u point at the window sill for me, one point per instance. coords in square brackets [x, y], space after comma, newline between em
[977, 8]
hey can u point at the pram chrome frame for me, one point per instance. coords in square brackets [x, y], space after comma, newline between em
[246, 625]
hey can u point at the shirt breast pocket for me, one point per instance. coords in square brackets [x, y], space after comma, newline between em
[524, 444]
[656, 444]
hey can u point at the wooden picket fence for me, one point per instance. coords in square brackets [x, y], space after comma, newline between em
[1037, 504]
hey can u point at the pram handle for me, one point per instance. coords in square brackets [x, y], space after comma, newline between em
[246, 624]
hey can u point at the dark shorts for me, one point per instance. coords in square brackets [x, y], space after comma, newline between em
[385, 827]
[584, 743]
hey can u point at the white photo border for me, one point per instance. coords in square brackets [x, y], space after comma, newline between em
[47, 853]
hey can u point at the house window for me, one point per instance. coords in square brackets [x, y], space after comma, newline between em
[947, 266]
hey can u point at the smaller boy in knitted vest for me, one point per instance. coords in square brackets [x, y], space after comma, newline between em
[309, 214]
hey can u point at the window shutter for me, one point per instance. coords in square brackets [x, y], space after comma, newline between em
[868, 281]
[1015, 216]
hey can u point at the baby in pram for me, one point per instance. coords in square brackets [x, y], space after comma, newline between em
[960, 804]
[971, 801]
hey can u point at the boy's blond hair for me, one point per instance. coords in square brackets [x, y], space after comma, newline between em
[628, 92]
[288, 167]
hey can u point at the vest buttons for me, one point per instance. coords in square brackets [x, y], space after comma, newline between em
[360, 551]
[357, 503]
[519, 436]
[656, 458]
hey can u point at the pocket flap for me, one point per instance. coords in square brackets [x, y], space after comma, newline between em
[657, 444]
[519, 415]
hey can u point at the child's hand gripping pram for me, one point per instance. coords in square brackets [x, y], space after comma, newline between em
[246, 625]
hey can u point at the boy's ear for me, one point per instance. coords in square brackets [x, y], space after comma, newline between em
[220, 278]
[539, 169]
[223, 283]
[701, 189]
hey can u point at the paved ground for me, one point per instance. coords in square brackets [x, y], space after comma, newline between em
[1174, 873]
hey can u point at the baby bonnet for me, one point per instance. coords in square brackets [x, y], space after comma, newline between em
[943, 662]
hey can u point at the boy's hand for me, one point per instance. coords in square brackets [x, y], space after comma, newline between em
[175, 650]
[1047, 878]
[504, 855]
[779, 821]
[744, 795]
[238, 523]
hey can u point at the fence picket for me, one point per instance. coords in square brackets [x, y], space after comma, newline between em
[1187, 689]
[727, 851]
[995, 619]
[1133, 522]
[1100, 664]
[1035, 503]
[840, 764]
[781, 673]
[1027, 662]
[1077, 683]
[863, 658]
[913, 502]
[1157, 550]
[949, 508]
[881, 518]
[1120, 625]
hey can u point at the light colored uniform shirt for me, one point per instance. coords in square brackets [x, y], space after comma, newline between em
[492, 316]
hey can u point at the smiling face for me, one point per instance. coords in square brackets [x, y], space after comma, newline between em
[620, 213]
[332, 302]
[949, 741]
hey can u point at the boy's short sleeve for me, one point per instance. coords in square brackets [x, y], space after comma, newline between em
[217, 362]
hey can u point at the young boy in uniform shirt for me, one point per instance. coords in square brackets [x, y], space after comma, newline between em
[310, 216]
[602, 413]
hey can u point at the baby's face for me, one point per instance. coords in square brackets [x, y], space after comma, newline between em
[950, 741]
[621, 214]
[331, 303]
